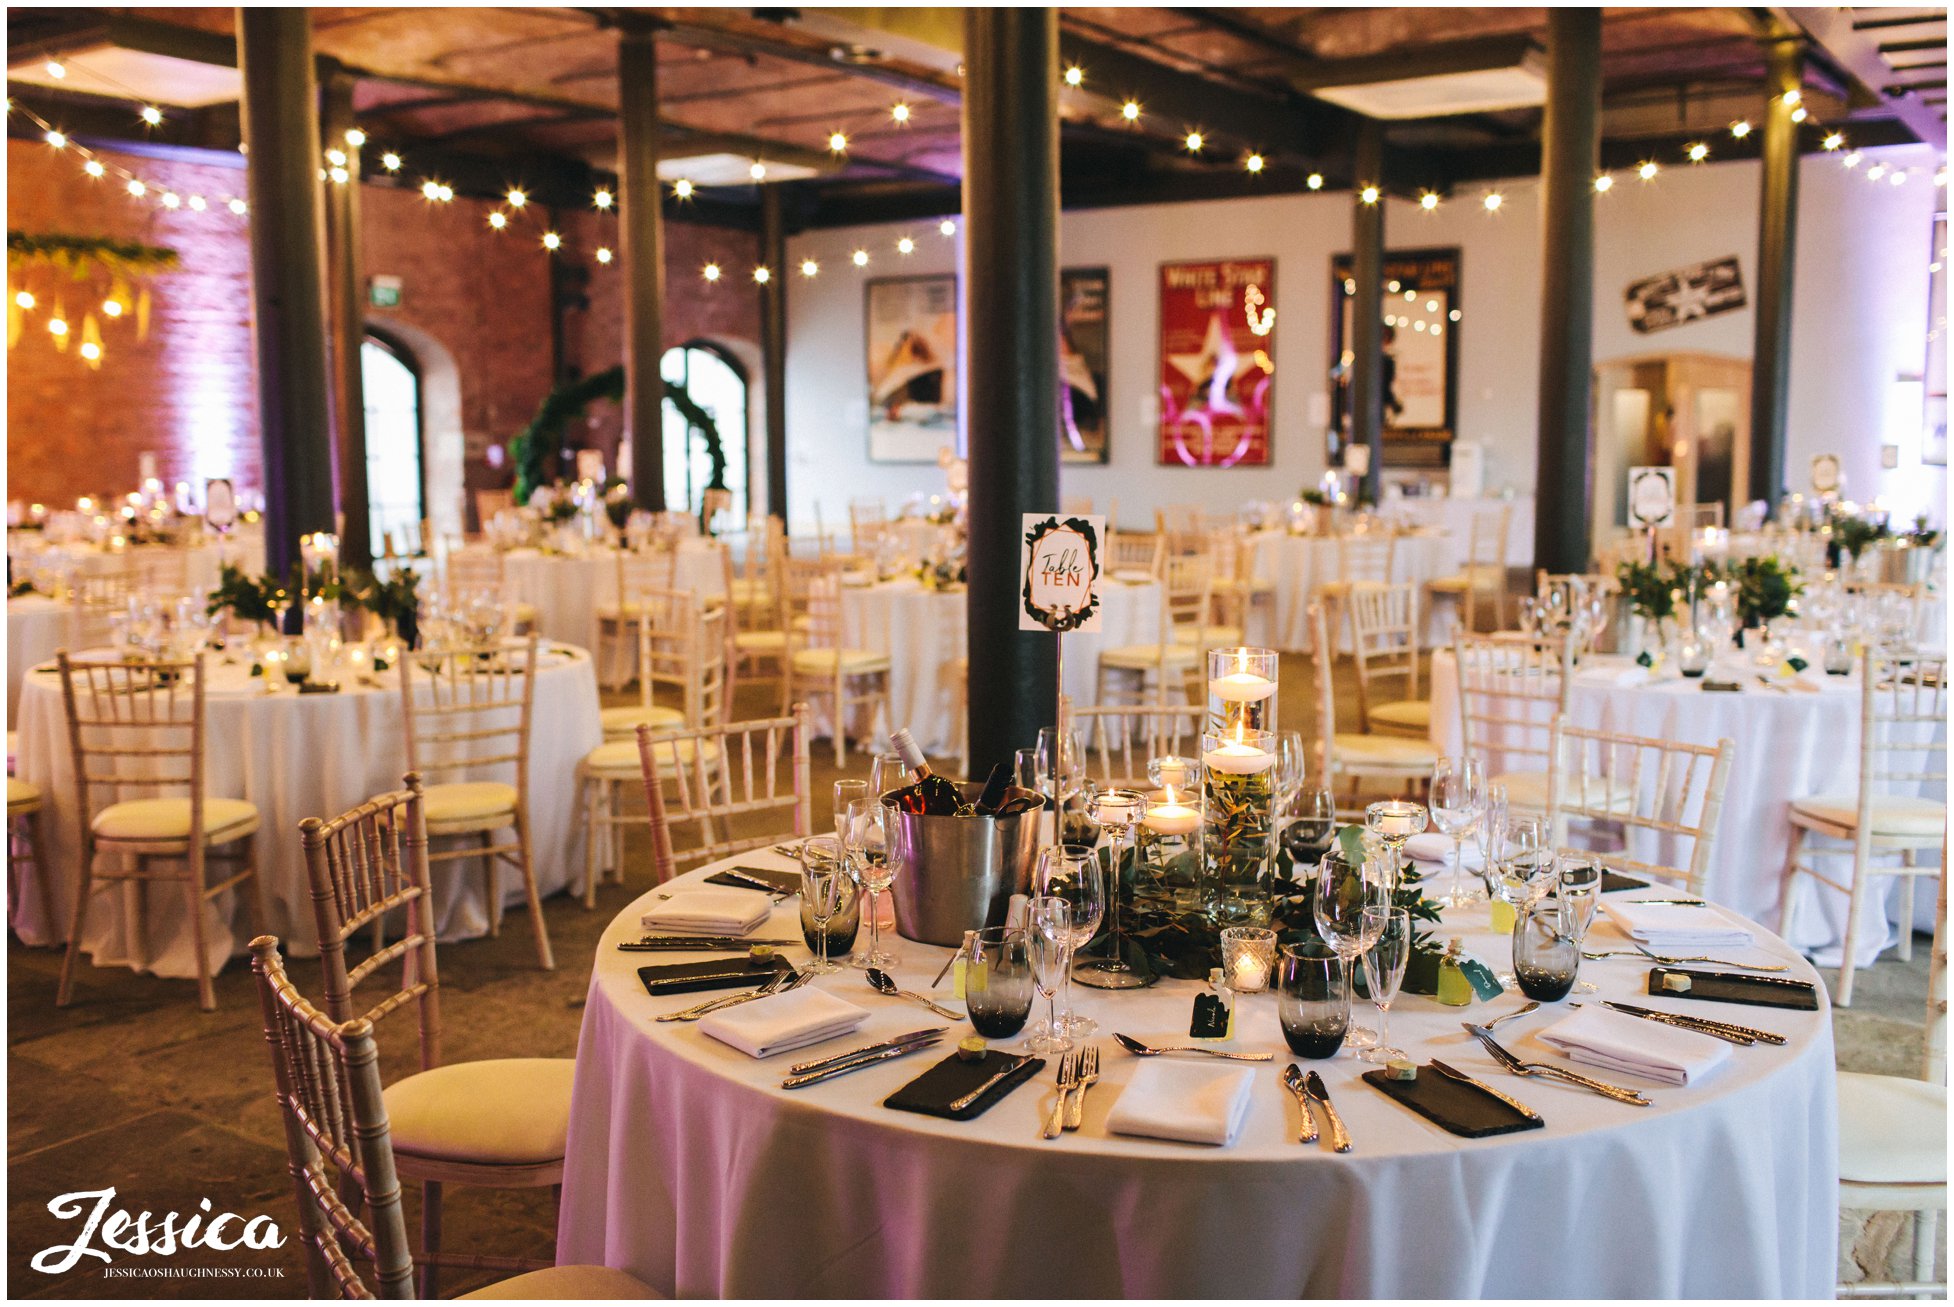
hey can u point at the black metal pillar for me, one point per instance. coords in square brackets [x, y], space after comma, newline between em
[1570, 153]
[1777, 235]
[288, 292]
[641, 224]
[773, 346]
[1010, 358]
[1367, 305]
[348, 324]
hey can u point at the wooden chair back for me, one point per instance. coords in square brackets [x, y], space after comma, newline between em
[1128, 551]
[1121, 739]
[1934, 1060]
[468, 710]
[811, 607]
[1384, 622]
[1510, 692]
[1486, 540]
[1179, 519]
[682, 645]
[719, 775]
[653, 567]
[364, 866]
[488, 503]
[135, 729]
[1669, 789]
[1187, 600]
[1366, 556]
[476, 570]
[1902, 703]
[162, 570]
[336, 1140]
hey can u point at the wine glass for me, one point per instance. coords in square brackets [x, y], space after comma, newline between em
[1390, 930]
[868, 856]
[824, 871]
[1050, 923]
[1529, 615]
[1312, 823]
[1117, 812]
[1343, 890]
[1492, 822]
[886, 773]
[1291, 760]
[1526, 867]
[1073, 874]
[1394, 821]
[1457, 793]
[847, 792]
[1580, 890]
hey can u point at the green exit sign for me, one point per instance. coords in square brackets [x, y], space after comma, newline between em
[383, 292]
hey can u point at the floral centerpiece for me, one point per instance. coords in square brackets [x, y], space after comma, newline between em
[617, 503]
[1766, 587]
[1853, 531]
[1655, 592]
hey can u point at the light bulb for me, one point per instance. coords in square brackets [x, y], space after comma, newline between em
[1493, 200]
[762, 274]
[682, 188]
[1193, 142]
[171, 199]
[113, 308]
[25, 299]
[552, 241]
[56, 139]
[339, 178]
[1876, 172]
[136, 187]
[355, 137]
[151, 115]
[1740, 129]
[809, 267]
[1898, 177]
[905, 246]
[90, 350]
[1315, 181]
[860, 258]
[837, 141]
[1798, 115]
[1255, 163]
[757, 171]
[498, 220]
[1792, 97]
[900, 112]
[56, 69]
[1453, 315]
[1130, 111]
[1368, 195]
[1648, 170]
[710, 272]
[1698, 152]
[1428, 201]
[604, 254]
[390, 161]
[197, 202]
[1075, 76]
[1604, 183]
[1852, 159]
[1834, 141]
[603, 199]
[239, 207]
[336, 157]
[517, 199]
[948, 227]
[57, 326]
[94, 168]
[431, 190]
[447, 192]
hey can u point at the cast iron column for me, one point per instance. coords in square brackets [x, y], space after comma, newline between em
[773, 347]
[641, 224]
[1570, 153]
[1367, 305]
[1777, 236]
[348, 327]
[288, 290]
[1010, 357]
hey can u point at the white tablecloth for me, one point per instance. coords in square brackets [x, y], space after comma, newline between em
[37, 627]
[298, 756]
[1454, 517]
[691, 1168]
[204, 558]
[1789, 745]
[1298, 564]
[923, 632]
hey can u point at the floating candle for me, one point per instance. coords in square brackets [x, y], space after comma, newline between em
[1171, 817]
[1241, 687]
[1238, 759]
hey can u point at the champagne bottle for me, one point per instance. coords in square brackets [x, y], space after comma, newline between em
[995, 785]
[928, 794]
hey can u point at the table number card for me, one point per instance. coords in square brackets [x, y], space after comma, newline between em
[1060, 568]
[1651, 496]
[1825, 473]
[220, 504]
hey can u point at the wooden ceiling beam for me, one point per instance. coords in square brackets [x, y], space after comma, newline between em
[1857, 56]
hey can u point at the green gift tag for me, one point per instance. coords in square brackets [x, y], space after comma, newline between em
[1485, 985]
[1421, 976]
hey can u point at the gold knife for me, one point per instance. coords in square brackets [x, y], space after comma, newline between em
[1465, 1079]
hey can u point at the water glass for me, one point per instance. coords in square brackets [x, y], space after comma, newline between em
[1311, 822]
[825, 884]
[1457, 793]
[1546, 949]
[1050, 927]
[1313, 1003]
[868, 859]
[1343, 890]
[998, 984]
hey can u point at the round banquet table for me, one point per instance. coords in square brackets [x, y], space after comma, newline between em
[1790, 744]
[297, 756]
[1454, 517]
[204, 557]
[1298, 564]
[566, 590]
[690, 1167]
[923, 632]
[37, 627]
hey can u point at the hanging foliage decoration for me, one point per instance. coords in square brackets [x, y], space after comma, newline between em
[543, 437]
[81, 258]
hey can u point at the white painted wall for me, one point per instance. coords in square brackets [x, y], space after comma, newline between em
[1860, 314]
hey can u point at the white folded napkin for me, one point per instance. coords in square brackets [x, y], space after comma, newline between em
[781, 1022]
[1188, 1101]
[1435, 847]
[710, 912]
[1664, 926]
[1641, 1047]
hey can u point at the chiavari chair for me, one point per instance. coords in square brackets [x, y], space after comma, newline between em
[819, 665]
[721, 777]
[1361, 556]
[1883, 825]
[473, 719]
[484, 570]
[1615, 785]
[498, 1123]
[1384, 626]
[654, 567]
[1511, 688]
[1355, 755]
[1121, 739]
[1186, 618]
[1484, 571]
[340, 1151]
[142, 727]
[25, 845]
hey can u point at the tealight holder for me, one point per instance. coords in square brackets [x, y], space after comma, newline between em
[1238, 826]
[1248, 958]
[1242, 684]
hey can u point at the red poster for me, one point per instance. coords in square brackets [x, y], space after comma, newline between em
[1217, 339]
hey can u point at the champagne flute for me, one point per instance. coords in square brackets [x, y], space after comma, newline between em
[1457, 793]
[1580, 890]
[1050, 922]
[869, 858]
[824, 869]
[1389, 930]
[1492, 822]
[1073, 874]
[1291, 760]
[1343, 890]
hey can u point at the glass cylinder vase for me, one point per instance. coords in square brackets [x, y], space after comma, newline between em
[1238, 836]
[1242, 685]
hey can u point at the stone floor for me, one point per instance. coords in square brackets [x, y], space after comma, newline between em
[132, 1086]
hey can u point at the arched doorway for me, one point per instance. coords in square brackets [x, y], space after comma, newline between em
[718, 384]
[396, 482]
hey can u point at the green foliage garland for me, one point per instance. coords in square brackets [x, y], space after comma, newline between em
[544, 434]
[79, 255]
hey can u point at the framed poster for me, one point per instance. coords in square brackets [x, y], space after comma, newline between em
[1421, 354]
[1082, 360]
[1217, 342]
[1701, 290]
[912, 368]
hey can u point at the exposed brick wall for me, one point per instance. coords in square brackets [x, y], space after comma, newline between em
[187, 392]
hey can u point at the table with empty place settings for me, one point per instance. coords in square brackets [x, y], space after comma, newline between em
[296, 756]
[690, 1166]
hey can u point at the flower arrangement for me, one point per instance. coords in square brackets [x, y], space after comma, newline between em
[1852, 532]
[1923, 536]
[245, 597]
[1653, 588]
[617, 503]
[1765, 587]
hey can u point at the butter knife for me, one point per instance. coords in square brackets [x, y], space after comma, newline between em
[1002, 1073]
[1724, 1029]
[1339, 1137]
[815, 1077]
[1465, 1079]
[824, 1063]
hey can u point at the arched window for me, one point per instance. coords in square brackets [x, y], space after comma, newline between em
[716, 384]
[396, 487]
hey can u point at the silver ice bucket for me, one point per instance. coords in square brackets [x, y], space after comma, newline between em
[954, 874]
